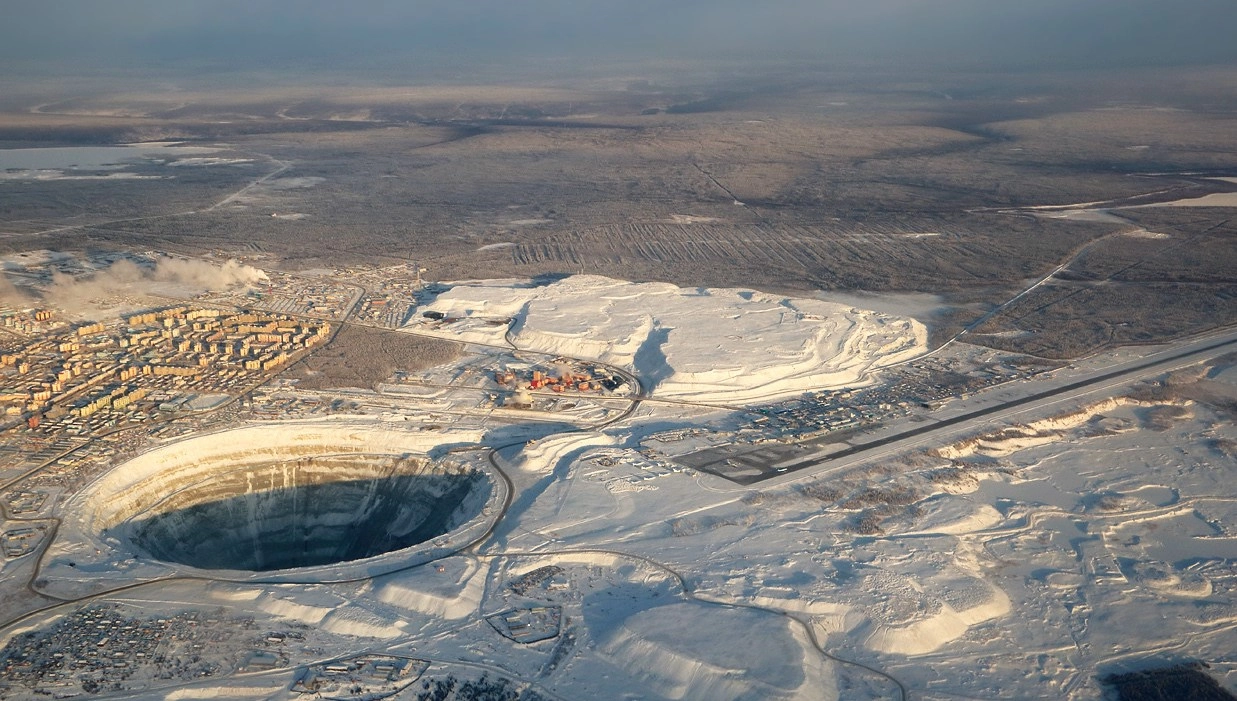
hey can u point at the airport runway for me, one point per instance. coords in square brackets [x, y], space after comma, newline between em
[1003, 403]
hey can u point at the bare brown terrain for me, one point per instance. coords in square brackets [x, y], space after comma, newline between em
[364, 357]
[792, 181]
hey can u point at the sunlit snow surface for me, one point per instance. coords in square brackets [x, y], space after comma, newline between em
[702, 344]
[1028, 564]
[1022, 562]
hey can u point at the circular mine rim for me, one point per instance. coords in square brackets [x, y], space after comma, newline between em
[109, 509]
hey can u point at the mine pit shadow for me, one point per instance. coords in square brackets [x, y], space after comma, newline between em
[312, 525]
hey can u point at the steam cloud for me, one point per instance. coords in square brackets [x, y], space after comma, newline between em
[126, 279]
[11, 296]
[197, 273]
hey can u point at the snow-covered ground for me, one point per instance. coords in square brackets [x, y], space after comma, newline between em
[712, 345]
[1024, 561]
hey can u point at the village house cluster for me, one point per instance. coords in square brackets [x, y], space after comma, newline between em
[100, 649]
[368, 676]
[292, 294]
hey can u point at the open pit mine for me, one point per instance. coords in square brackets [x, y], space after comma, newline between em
[308, 502]
[302, 513]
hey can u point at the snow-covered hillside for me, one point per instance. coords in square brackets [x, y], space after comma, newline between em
[726, 345]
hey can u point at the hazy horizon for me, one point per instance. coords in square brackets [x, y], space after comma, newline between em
[67, 37]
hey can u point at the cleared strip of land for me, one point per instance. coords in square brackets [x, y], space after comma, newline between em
[1186, 352]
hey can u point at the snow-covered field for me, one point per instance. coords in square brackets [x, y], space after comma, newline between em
[1025, 561]
[712, 345]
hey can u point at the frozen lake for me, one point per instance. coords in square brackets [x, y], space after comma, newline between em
[93, 157]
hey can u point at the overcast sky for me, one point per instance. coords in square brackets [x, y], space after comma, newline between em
[249, 33]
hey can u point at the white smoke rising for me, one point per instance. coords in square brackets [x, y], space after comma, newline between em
[126, 281]
[198, 273]
[11, 296]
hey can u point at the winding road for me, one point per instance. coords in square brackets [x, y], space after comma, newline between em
[475, 549]
[1184, 352]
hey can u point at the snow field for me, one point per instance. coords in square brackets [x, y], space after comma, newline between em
[1035, 433]
[723, 345]
[457, 594]
[686, 651]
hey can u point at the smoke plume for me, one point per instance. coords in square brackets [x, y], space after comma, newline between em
[126, 282]
[197, 273]
[11, 296]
